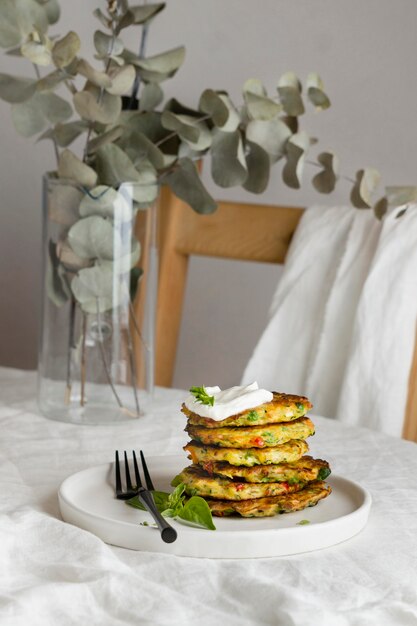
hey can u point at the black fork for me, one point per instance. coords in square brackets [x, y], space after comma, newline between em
[168, 533]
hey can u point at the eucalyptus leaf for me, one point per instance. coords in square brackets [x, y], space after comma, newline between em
[32, 116]
[228, 165]
[106, 111]
[93, 289]
[109, 137]
[125, 263]
[38, 50]
[18, 18]
[56, 285]
[64, 200]
[106, 202]
[190, 129]
[52, 10]
[66, 49]
[71, 261]
[185, 182]
[398, 195]
[325, 181]
[15, 90]
[93, 237]
[258, 165]
[70, 166]
[55, 108]
[380, 208]
[140, 14]
[114, 166]
[161, 66]
[271, 135]
[98, 78]
[178, 108]
[315, 92]
[65, 134]
[213, 105]
[289, 90]
[260, 107]
[50, 81]
[28, 117]
[139, 147]
[296, 149]
[122, 80]
[105, 21]
[254, 86]
[366, 182]
[151, 96]
[107, 45]
[145, 190]
[221, 109]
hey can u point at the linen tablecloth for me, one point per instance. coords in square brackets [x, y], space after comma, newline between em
[54, 573]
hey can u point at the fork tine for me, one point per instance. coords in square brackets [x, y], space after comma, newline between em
[128, 481]
[118, 477]
[148, 479]
[137, 475]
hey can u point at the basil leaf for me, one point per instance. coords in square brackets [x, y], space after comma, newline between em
[160, 498]
[197, 512]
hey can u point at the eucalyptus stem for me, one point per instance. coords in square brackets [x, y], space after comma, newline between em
[83, 359]
[136, 327]
[101, 92]
[315, 164]
[70, 346]
[142, 48]
[133, 369]
[103, 358]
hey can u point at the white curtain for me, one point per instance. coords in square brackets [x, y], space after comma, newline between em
[343, 318]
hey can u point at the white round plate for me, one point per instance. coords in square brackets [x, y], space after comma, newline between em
[87, 500]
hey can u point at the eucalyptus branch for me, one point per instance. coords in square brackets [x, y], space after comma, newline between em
[103, 357]
[142, 47]
[339, 176]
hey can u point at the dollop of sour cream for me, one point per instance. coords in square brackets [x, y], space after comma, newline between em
[229, 402]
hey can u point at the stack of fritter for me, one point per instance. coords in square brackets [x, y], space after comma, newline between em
[253, 463]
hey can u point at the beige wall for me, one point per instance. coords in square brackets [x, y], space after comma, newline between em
[366, 52]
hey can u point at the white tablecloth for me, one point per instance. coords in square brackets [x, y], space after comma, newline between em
[54, 573]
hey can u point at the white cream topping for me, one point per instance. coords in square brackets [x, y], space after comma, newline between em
[229, 402]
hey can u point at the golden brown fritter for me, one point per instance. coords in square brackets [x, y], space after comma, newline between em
[253, 436]
[282, 408]
[266, 507]
[200, 483]
[304, 470]
[285, 453]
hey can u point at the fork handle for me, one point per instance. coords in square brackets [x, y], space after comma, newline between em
[168, 534]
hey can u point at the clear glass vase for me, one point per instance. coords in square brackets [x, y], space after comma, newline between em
[96, 357]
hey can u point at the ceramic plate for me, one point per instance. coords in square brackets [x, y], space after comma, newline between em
[87, 500]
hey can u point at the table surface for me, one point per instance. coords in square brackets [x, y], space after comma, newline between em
[52, 572]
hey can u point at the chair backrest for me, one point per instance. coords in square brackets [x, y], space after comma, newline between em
[249, 232]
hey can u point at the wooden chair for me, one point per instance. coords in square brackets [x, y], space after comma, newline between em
[248, 232]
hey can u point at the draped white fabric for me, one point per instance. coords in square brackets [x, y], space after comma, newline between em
[342, 321]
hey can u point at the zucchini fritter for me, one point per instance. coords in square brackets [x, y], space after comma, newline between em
[285, 453]
[304, 470]
[200, 483]
[266, 507]
[282, 408]
[253, 436]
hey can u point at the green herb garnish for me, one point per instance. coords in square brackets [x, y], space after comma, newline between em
[202, 396]
[303, 522]
[253, 416]
[195, 511]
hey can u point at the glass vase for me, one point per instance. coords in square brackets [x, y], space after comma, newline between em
[96, 357]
